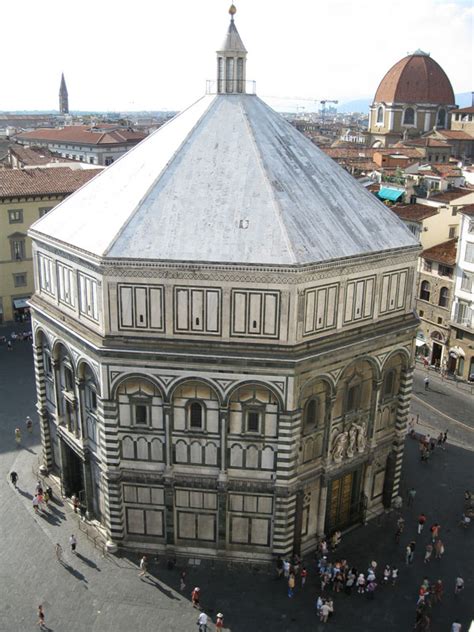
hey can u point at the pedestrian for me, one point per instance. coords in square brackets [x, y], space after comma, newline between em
[18, 437]
[371, 586]
[202, 622]
[421, 522]
[75, 502]
[435, 528]
[29, 424]
[361, 584]
[336, 540]
[319, 603]
[143, 567]
[73, 543]
[351, 577]
[428, 553]
[324, 612]
[49, 490]
[46, 498]
[182, 581]
[445, 439]
[411, 496]
[196, 597]
[465, 521]
[279, 567]
[291, 585]
[439, 549]
[36, 503]
[411, 552]
[41, 622]
[439, 442]
[387, 573]
[14, 478]
[304, 575]
[58, 549]
[427, 383]
[438, 590]
[456, 627]
[219, 621]
[39, 488]
[400, 528]
[9, 346]
[286, 568]
[394, 575]
[459, 585]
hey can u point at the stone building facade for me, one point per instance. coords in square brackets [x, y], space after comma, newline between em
[223, 344]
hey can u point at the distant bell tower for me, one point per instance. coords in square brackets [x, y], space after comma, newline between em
[231, 60]
[63, 97]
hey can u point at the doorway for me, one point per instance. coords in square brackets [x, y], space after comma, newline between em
[436, 355]
[344, 504]
[73, 472]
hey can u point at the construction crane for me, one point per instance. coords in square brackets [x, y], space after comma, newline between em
[323, 102]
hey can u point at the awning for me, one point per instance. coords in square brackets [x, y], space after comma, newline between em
[421, 343]
[457, 352]
[390, 194]
[20, 303]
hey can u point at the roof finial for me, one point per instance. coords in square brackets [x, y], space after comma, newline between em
[232, 11]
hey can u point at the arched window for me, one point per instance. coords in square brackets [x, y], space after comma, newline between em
[353, 398]
[311, 414]
[425, 291]
[388, 384]
[380, 114]
[441, 120]
[409, 116]
[443, 297]
[196, 416]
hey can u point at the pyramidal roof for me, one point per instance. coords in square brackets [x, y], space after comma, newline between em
[226, 181]
[232, 42]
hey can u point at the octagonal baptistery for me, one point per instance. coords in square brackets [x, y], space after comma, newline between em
[223, 336]
[414, 96]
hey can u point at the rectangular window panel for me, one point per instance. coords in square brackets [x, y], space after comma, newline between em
[141, 308]
[401, 290]
[156, 308]
[359, 297]
[369, 297]
[309, 312]
[136, 521]
[125, 303]
[239, 530]
[206, 527]
[255, 313]
[154, 522]
[469, 256]
[182, 310]
[384, 293]
[197, 310]
[129, 494]
[213, 311]
[240, 312]
[143, 495]
[349, 302]
[270, 315]
[260, 531]
[321, 309]
[187, 525]
[88, 297]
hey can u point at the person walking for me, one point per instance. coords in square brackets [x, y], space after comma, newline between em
[202, 622]
[438, 590]
[18, 437]
[279, 567]
[304, 575]
[324, 612]
[435, 529]
[291, 585]
[445, 439]
[410, 552]
[73, 543]
[456, 626]
[411, 496]
[439, 549]
[58, 549]
[400, 528]
[29, 425]
[286, 568]
[428, 553]
[371, 586]
[387, 573]
[14, 478]
[421, 522]
[41, 621]
[219, 621]
[394, 575]
[182, 581]
[36, 503]
[143, 567]
[427, 383]
[361, 584]
[459, 585]
[196, 597]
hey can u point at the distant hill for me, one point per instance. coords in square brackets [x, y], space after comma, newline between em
[362, 105]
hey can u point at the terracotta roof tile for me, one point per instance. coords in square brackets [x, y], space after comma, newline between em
[467, 210]
[84, 134]
[442, 253]
[414, 212]
[450, 195]
[54, 180]
[468, 110]
[455, 134]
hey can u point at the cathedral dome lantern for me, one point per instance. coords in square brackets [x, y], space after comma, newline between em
[231, 60]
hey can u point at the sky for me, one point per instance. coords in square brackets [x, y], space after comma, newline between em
[145, 55]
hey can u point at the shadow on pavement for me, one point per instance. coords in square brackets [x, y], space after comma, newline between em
[74, 572]
[87, 561]
[25, 494]
[148, 579]
[51, 518]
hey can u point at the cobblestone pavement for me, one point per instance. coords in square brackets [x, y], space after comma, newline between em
[93, 593]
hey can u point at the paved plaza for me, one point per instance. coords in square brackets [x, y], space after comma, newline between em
[93, 593]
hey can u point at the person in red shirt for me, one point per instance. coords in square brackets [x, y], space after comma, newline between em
[421, 522]
[219, 621]
[196, 597]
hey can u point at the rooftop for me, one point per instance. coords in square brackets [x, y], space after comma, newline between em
[455, 134]
[468, 210]
[85, 134]
[32, 156]
[442, 253]
[451, 194]
[44, 181]
[468, 110]
[414, 212]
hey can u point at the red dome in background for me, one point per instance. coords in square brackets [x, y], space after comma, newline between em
[416, 78]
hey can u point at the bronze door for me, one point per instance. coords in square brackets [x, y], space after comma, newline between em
[343, 505]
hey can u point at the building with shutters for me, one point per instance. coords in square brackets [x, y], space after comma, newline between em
[224, 336]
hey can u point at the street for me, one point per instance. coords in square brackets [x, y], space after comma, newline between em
[96, 593]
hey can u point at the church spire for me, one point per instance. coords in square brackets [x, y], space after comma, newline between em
[231, 60]
[63, 97]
